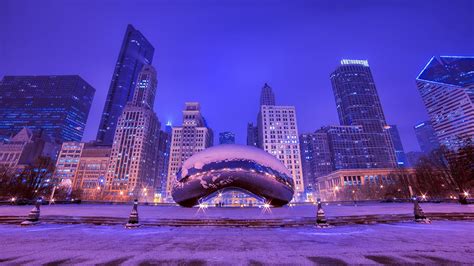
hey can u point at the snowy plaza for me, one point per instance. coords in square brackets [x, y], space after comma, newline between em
[370, 233]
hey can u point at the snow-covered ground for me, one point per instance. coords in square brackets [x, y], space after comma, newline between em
[441, 242]
[175, 212]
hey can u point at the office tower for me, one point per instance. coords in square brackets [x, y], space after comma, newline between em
[348, 146]
[135, 53]
[426, 136]
[164, 146]
[278, 135]
[398, 146]
[446, 85]
[133, 166]
[226, 138]
[190, 138]
[67, 163]
[25, 147]
[91, 171]
[267, 97]
[358, 104]
[315, 158]
[252, 135]
[57, 105]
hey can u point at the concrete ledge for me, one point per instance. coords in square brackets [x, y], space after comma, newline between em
[225, 222]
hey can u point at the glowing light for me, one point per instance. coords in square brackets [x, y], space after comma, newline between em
[13, 199]
[354, 62]
[466, 194]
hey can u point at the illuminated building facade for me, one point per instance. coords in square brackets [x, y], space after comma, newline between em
[91, 171]
[56, 105]
[67, 162]
[446, 85]
[358, 104]
[278, 135]
[362, 184]
[133, 167]
[135, 52]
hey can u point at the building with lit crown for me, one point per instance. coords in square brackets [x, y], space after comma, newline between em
[358, 104]
[133, 166]
[446, 85]
[190, 138]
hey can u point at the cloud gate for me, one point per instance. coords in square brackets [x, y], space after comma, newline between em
[232, 166]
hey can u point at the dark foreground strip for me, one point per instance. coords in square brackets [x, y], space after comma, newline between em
[293, 222]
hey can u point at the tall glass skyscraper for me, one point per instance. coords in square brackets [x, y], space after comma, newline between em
[57, 105]
[358, 104]
[398, 146]
[135, 52]
[446, 85]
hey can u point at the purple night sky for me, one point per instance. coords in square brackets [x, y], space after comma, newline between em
[220, 53]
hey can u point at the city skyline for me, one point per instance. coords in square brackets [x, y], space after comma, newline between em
[305, 84]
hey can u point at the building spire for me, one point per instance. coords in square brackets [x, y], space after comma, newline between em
[267, 97]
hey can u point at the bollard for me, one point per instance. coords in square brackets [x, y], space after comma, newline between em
[34, 215]
[419, 214]
[133, 218]
[321, 217]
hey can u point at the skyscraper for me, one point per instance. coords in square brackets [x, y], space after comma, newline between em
[56, 105]
[226, 138]
[446, 85]
[426, 136]
[164, 146]
[267, 97]
[133, 167]
[278, 135]
[135, 52]
[315, 158]
[252, 135]
[358, 104]
[190, 138]
[398, 146]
